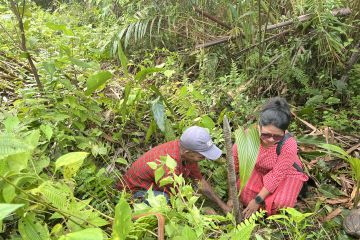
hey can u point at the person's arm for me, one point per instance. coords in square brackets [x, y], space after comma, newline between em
[207, 190]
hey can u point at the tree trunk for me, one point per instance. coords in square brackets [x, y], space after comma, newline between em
[233, 193]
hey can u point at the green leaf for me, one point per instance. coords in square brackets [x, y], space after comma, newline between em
[159, 173]
[335, 149]
[170, 162]
[123, 59]
[31, 228]
[6, 209]
[166, 181]
[207, 122]
[10, 145]
[8, 193]
[86, 234]
[355, 167]
[71, 161]
[47, 130]
[60, 27]
[159, 113]
[97, 80]
[11, 123]
[121, 161]
[122, 223]
[140, 76]
[81, 63]
[248, 144]
[152, 165]
[188, 233]
[330, 191]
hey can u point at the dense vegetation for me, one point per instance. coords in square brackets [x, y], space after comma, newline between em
[87, 86]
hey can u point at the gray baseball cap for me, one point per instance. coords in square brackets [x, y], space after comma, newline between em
[198, 139]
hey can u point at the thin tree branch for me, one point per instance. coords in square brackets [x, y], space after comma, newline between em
[211, 17]
[15, 10]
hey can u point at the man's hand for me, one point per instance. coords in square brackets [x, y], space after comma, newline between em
[251, 208]
[226, 209]
[230, 203]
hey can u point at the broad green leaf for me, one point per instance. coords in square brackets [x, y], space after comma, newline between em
[31, 228]
[70, 158]
[10, 145]
[140, 76]
[33, 138]
[123, 59]
[72, 162]
[207, 122]
[86, 234]
[330, 191]
[47, 130]
[159, 173]
[248, 144]
[6, 209]
[11, 123]
[97, 80]
[60, 27]
[81, 63]
[188, 233]
[8, 193]
[152, 165]
[159, 113]
[166, 181]
[122, 223]
[170, 162]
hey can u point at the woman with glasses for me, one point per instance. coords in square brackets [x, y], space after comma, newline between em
[277, 178]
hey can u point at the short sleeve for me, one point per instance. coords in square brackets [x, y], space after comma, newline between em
[283, 166]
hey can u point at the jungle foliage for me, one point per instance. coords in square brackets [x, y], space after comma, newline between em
[88, 86]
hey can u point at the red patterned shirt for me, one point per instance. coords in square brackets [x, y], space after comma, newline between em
[275, 168]
[141, 177]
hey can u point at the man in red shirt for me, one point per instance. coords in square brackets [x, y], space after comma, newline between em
[194, 145]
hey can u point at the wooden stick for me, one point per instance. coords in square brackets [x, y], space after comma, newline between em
[161, 222]
[302, 18]
[233, 193]
[211, 17]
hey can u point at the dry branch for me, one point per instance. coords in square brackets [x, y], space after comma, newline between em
[211, 17]
[302, 18]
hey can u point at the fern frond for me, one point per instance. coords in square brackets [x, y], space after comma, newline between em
[10, 145]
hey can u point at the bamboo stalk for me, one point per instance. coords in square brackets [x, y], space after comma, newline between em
[233, 193]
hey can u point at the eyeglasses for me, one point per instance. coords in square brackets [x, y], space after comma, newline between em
[277, 138]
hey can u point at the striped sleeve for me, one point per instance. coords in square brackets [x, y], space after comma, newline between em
[283, 166]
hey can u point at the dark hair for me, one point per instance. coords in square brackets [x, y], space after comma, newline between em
[276, 112]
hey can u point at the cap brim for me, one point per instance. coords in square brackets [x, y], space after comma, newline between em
[213, 153]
